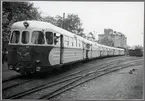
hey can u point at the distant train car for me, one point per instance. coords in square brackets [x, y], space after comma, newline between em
[135, 52]
[37, 46]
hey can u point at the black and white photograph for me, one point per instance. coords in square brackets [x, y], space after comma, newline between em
[72, 50]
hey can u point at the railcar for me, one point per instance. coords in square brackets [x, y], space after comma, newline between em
[37, 46]
[135, 52]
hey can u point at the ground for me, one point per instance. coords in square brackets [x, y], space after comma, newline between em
[7, 73]
[117, 85]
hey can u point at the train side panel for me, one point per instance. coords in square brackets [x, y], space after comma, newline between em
[72, 54]
[95, 53]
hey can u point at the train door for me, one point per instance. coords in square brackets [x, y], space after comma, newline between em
[101, 51]
[91, 51]
[97, 50]
[61, 49]
[114, 52]
[54, 56]
[84, 50]
[87, 50]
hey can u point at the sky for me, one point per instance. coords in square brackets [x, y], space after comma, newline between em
[124, 17]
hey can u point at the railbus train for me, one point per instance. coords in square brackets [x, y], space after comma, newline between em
[37, 46]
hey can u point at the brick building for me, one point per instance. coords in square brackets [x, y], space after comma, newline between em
[119, 39]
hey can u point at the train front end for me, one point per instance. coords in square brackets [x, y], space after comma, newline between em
[27, 50]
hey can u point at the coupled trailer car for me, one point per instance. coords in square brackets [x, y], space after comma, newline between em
[37, 46]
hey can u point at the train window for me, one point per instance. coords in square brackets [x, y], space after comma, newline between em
[49, 37]
[56, 38]
[15, 37]
[37, 37]
[25, 37]
[81, 44]
[78, 43]
[84, 45]
[66, 38]
[74, 42]
[66, 41]
[71, 41]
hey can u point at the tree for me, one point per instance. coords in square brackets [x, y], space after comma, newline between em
[138, 47]
[16, 11]
[59, 20]
[91, 36]
[71, 23]
[50, 19]
[82, 35]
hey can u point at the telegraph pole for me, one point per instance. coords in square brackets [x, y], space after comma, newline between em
[63, 21]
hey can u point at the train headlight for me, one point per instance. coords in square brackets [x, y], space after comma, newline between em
[38, 69]
[26, 24]
[10, 67]
[17, 69]
[37, 61]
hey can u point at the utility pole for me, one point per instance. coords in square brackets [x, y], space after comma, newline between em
[63, 21]
[94, 32]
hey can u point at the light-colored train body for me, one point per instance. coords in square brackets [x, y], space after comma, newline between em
[57, 47]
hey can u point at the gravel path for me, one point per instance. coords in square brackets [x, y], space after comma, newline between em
[117, 85]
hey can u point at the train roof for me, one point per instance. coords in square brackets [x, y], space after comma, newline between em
[33, 24]
[109, 47]
[45, 25]
[39, 25]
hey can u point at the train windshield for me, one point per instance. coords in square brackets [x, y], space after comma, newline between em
[37, 37]
[25, 37]
[15, 37]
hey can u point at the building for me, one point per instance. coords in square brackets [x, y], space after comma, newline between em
[108, 31]
[119, 39]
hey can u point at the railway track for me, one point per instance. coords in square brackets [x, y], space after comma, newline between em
[10, 85]
[65, 86]
[89, 68]
[11, 78]
[75, 84]
[16, 83]
[15, 80]
[69, 75]
[69, 80]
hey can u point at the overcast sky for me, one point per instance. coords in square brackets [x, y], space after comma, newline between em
[125, 17]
